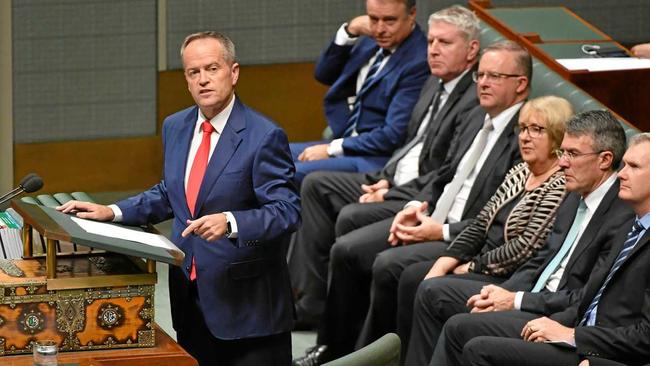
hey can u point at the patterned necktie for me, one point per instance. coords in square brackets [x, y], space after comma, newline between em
[423, 136]
[630, 242]
[370, 76]
[564, 249]
[430, 132]
[199, 165]
[451, 190]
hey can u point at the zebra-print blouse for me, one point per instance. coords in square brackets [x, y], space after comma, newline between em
[525, 230]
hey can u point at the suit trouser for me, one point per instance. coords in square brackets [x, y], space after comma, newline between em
[437, 300]
[325, 197]
[388, 299]
[195, 337]
[354, 258]
[495, 339]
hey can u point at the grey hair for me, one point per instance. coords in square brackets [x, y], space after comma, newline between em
[639, 138]
[227, 45]
[460, 17]
[524, 61]
[604, 129]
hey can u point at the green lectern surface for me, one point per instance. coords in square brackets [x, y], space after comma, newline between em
[56, 225]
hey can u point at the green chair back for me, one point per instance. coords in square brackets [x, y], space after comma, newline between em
[383, 352]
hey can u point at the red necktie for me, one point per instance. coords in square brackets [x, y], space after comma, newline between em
[197, 172]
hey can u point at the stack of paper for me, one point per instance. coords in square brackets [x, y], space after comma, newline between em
[11, 241]
[604, 63]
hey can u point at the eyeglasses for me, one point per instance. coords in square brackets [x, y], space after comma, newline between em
[492, 77]
[534, 131]
[569, 155]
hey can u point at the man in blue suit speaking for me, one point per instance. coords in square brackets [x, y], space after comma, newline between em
[228, 185]
[375, 67]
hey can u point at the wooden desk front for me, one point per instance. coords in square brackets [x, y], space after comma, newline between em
[165, 353]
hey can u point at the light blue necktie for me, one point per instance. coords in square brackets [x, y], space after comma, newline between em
[564, 249]
[370, 76]
[632, 239]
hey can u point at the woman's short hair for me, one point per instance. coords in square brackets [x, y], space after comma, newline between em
[555, 111]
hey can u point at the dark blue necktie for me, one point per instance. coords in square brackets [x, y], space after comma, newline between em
[630, 242]
[356, 107]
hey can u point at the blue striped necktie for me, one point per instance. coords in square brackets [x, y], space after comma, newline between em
[370, 76]
[630, 242]
[570, 239]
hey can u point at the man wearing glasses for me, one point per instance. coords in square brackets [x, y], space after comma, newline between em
[608, 323]
[586, 224]
[480, 156]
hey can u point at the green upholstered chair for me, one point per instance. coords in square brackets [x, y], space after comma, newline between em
[383, 352]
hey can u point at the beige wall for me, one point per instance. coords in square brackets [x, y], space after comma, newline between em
[6, 125]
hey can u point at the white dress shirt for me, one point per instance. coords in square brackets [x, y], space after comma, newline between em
[342, 38]
[408, 167]
[499, 122]
[218, 123]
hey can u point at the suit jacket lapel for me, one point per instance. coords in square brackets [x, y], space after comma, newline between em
[468, 137]
[595, 285]
[455, 95]
[422, 106]
[642, 243]
[350, 72]
[565, 219]
[223, 152]
[592, 228]
[488, 166]
[397, 57]
[178, 161]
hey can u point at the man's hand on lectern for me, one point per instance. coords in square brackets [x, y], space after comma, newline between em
[87, 210]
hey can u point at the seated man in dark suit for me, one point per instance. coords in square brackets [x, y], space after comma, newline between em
[553, 277]
[445, 101]
[478, 160]
[609, 320]
[375, 66]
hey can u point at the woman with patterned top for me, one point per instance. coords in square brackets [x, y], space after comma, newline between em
[511, 227]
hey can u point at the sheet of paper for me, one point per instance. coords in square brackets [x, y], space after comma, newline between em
[100, 228]
[605, 63]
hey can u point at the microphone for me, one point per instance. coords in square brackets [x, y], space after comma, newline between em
[30, 183]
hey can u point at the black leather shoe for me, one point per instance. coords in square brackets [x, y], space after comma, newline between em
[314, 356]
[304, 320]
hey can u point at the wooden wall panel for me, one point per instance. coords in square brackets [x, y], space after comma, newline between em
[286, 93]
[92, 166]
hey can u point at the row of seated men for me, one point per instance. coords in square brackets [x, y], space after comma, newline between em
[492, 203]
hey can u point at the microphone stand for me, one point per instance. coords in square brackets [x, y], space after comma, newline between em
[11, 194]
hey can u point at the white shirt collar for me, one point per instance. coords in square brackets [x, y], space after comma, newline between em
[218, 121]
[501, 120]
[450, 85]
[593, 199]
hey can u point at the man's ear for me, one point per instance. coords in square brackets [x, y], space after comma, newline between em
[234, 70]
[606, 159]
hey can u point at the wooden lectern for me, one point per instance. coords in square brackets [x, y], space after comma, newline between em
[83, 301]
